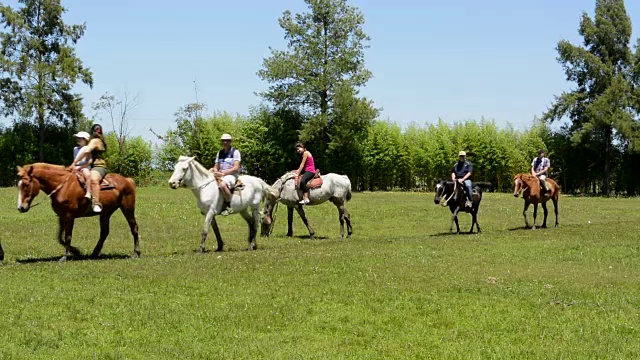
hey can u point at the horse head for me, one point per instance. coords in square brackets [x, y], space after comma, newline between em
[522, 182]
[443, 189]
[180, 172]
[28, 188]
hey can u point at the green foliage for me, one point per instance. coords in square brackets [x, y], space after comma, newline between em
[318, 76]
[19, 146]
[134, 160]
[325, 50]
[267, 141]
[39, 66]
[600, 108]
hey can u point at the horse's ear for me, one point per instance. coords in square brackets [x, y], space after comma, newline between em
[30, 171]
[20, 170]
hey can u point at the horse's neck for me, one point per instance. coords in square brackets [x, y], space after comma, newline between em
[50, 179]
[200, 176]
[277, 187]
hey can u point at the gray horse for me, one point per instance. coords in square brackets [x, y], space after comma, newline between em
[335, 188]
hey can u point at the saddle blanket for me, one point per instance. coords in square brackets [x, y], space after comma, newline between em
[314, 183]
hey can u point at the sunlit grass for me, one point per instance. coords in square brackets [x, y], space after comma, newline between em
[402, 287]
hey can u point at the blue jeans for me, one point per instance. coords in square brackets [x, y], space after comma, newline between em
[467, 184]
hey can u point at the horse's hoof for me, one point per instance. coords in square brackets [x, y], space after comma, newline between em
[289, 235]
[134, 256]
[63, 259]
[219, 249]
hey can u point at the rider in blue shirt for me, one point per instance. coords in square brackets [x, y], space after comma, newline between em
[461, 173]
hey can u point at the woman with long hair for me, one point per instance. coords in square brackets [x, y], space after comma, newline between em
[97, 147]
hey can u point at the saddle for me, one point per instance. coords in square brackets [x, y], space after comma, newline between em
[105, 184]
[236, 188]
[314, 183]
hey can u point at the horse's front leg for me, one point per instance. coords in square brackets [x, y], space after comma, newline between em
[69, 250]
[544, 209]
[524, 213]
[61, 230]
[312, 232]
[289, 221]
[535, 214]
[208, 220]
[104, 232]
[1, 254]
[454, 219]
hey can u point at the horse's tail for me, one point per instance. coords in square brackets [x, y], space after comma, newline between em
[348, 188]
[484, 185]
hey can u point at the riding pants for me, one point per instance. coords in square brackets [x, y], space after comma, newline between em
[308, 175]
[467, 185]
[543, 182]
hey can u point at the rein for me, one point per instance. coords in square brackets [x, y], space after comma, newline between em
[455, 184]
[48, 196]
[273, 216]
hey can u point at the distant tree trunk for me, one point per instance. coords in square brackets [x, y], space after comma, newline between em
[606, 181]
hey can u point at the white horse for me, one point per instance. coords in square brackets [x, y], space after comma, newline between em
[336, 188]
[246, 201]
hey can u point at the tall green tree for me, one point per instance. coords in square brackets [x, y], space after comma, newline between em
[39, 67]
[323, 65]
[600, 106]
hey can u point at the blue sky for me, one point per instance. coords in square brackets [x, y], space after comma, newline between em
[455, 60]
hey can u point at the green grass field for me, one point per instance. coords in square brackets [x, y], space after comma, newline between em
[401, 287]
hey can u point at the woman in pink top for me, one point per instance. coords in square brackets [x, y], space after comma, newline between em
[306, 171]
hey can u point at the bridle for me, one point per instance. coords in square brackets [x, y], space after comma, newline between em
[453, 192]
[46, 197]
[199, 187]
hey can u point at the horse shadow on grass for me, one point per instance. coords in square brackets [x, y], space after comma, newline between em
[453, 234]
[79, 257]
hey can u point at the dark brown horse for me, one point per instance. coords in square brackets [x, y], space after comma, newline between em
[69, 203]
[451, 193]
[529, 185]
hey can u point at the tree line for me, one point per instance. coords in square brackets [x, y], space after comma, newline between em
[313, 96]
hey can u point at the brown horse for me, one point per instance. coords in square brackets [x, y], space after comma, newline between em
[69, 203]
[529, 185]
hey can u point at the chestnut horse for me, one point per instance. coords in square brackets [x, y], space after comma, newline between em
[529, 185]
[69, 203]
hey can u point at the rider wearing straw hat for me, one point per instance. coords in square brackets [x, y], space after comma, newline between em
[461, 173]
[226, 170]
[539, 168]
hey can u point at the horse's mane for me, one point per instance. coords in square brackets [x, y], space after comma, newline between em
[525, 177]
[43, 166]
[198, 166]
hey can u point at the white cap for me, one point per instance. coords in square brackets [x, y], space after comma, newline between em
[462, 153]
[225, 137]
[83, 135]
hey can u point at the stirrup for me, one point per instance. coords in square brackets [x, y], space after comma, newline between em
[227, 210]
